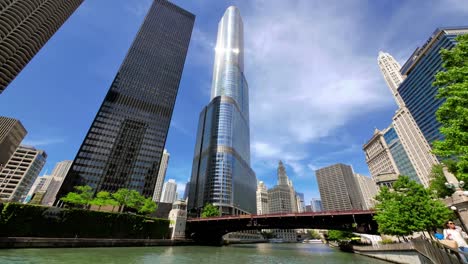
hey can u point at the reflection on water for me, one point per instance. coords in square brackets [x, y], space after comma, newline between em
[234, 254]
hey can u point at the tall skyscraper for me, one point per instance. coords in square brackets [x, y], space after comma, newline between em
[316, 205]
[300, 202]
[221, 173]
[368, 189]
[417, 90]
[124, 146]
[12, 133]
[20, 172]
[282, 197]
[25, 27]
[169, 193]
[390, 69]
[58, 175]
[417, 149]
[262, 199]
[161, 176]
[338, 188]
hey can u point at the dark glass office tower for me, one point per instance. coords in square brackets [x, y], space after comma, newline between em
[125, 143]
[417, 90]
[221, 172]
[26, 26]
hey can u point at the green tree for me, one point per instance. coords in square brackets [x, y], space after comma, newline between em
[210, 210]
[437, 183]
[103, 198]
[336, 235]
[314, 234]
[82, 196]
[129, 198]
[148, 207]
[453, 113]
[409, 208]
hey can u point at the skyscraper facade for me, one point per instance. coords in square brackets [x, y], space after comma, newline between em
[338, 188]
[316, 205]
[390, 69]
[221, 173]
[40, 185]
[262, 199]
[25, 27]
[58, 175]
[161, 176]
[399, 155]
[417, 90]
[169, 193]
[368, 189]
[12, 133]
[282, 197]
[378, 156]
[124, 146]
[412, 140]
[19, 174]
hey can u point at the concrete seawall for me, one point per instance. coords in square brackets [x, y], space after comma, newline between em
[46, 242]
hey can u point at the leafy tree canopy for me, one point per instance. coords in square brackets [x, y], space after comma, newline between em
[314, 234]
[437, 184]
[336, 235]
[82, 196]
[148, 206]
[210, 210]
[103, 198]
[453, 113]
[409, 208]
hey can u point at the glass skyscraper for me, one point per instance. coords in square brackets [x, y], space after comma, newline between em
[416, 90]
[221, 172]
[124, 146]
[402, 161]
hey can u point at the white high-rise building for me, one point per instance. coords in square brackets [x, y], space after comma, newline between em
[161, 176]
[379, 159]
[169, 193]
[58, 175]
[262, 199]
[40, 185]
[368, 189]
[390, 69]
[411, 137]
[416, 146]
[19, 174]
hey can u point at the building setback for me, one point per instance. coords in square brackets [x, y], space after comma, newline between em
[25, 27]
[124, 145]
[338, 188]
[161, 176]
[221, 172]
[12, 133]
[20, 172]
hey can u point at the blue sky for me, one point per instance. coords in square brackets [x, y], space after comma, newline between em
[316, 93]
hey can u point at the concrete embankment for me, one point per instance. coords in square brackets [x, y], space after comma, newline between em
[413, 252]
[46, 242]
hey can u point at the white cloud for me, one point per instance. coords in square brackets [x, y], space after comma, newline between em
[43, 141]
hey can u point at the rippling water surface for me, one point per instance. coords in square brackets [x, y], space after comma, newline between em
[234, 254]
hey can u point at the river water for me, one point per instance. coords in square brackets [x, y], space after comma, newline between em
[233, 254]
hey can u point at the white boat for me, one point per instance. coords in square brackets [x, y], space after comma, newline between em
[312, 241]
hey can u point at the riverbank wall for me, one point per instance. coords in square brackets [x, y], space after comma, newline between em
[417, 251]
[47, 242]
